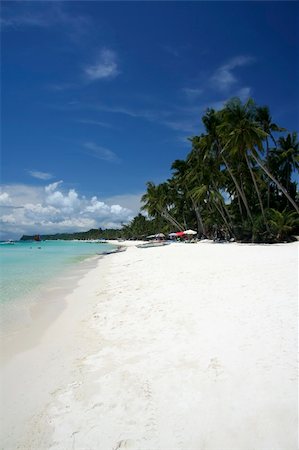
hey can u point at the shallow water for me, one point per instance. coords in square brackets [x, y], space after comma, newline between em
[26, 267]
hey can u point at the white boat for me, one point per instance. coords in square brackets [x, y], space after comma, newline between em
[152, 244]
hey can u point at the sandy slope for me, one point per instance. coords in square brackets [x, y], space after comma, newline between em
[184, 347]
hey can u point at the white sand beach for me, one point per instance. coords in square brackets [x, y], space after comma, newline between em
[182, 347]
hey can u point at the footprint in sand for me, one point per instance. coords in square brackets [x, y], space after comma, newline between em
[125, 443]
[215, 367]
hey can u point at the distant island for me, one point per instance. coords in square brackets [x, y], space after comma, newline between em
[97, 233]
[138, 228]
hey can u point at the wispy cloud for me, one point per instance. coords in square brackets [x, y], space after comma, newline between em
[13, 17]
[192, 93]
[100, 152]
[170, 49]
[184, 115]
[95, 122]
[176, 118]
[105, 66]
[60, 87]
[223, 78]
[40, 175]
[189, 125]
[244, 93]
[44, 15]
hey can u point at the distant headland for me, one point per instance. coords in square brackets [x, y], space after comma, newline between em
[97, 233]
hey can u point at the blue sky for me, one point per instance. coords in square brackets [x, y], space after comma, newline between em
[100, 97]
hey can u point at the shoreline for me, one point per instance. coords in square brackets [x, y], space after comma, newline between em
[150, 341]
[45, 360]
[27, 317]
[48, 302]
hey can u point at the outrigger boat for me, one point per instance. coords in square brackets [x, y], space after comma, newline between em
[152, 244]
[9, 242]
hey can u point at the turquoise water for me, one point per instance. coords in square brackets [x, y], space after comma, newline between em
[26, 266]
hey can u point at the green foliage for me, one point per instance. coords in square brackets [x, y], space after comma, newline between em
[282, 223]
[233, 156]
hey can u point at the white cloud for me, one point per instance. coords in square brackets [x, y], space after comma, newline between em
[244, 93]
[100, 152]
[105, 66]
[189, 124]
[175, 118]
[224, 78]
[95, 122]
[51, 209]
[66, 203]
[192, 93]
[53, 186]
[128, 201]
[41, 16]
[5, 199]
[40, 175]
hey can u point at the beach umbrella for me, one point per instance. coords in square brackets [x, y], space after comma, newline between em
[152, 236]
[160, 235]
[179, 233]
[172, 234]
[190, 232]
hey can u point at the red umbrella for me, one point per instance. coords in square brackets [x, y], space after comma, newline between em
[180, 233]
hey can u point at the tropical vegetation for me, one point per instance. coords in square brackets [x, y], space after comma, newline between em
[236, 181]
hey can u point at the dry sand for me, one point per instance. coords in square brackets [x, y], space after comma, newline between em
[182, 347]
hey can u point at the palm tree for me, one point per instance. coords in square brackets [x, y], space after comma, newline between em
[287, 154]
[181, 178]
[230, 156]
[263, 117]
[278, 184]
[213, 141]
[282, 223]
[241, 133]
[157, 202]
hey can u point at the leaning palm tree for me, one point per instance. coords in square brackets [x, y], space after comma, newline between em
[275, 180]
[157, 202]
[241, 134]
[182, 180]
[287, 153]
[263, 117]
[213, 141]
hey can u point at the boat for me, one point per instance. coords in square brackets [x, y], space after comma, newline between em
[152, 244]
[37, 238]
[9, 242]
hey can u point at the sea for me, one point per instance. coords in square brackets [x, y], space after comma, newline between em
[26, 267]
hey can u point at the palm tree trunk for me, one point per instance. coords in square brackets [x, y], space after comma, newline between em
[200, 227]
[283, 190]
[224, 213]
[172, 220]
[169, 219]
[242, 194]
[240, 206]
[162, 212]
[257, 190]
[229, 218]
[223, 217]
[185, 223]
